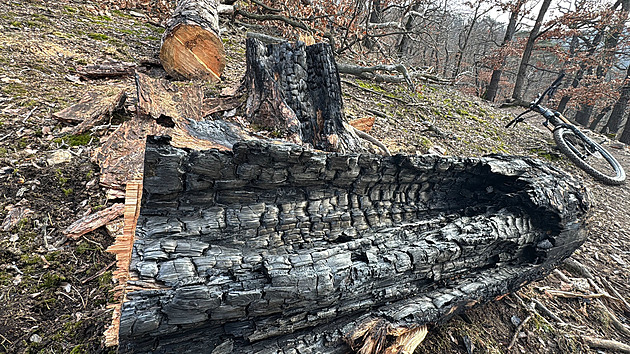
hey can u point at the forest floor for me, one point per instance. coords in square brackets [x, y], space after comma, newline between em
[55, 292]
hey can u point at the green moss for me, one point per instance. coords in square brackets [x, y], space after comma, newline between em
[3, 152]
[15, 89]
[121, 14]
[105, 280]
[425, 142]
[16, 23]
[371, 86]
[53, 256]
[153, 28]
[30, 259]
[84, 247]
[60, 177]
[98, 36]
[545, 154]
[152, 38]
[74, 140]
[67, 191]
[69, 9]
[79, 349]
[51, 280]
[128, 31]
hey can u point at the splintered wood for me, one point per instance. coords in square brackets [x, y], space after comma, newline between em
[191, 45]
[122, 248]
[374, 336]
[93, 221]
[163, 109]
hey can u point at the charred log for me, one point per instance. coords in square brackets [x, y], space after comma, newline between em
[295, 89]
[271, 246]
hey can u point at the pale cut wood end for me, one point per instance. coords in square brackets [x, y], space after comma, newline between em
[192, 52]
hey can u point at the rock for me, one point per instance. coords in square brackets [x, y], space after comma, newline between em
[59, 157]
[36, 338]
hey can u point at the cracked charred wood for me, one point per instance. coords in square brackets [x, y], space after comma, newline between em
[276, 248]
[295, 89]
[191, 45]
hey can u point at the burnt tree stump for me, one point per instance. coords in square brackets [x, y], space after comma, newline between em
[295, 89]
[274, 247]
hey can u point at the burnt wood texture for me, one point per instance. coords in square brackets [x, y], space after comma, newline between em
[294, 89]
[276, 248]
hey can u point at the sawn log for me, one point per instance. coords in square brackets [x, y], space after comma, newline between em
[191, 45]
[276, 248]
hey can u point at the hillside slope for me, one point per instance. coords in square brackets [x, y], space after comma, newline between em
[54, 293]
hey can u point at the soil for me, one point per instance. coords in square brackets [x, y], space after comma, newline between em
[55, 292]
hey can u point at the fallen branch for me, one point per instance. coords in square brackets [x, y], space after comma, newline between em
[517, 331]
[106, 70]
[572, 295]
[360, 71]
[540, 306]
[606, 344]
[373, 140]
[265, 38]
[374, 92]
[616, 293]
[614, 320]
[273, 17]
[577, 268]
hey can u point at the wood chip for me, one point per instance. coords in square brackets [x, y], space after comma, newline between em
[93, 221]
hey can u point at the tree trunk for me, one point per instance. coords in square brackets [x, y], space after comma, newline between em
[562, 105]
[191, 45]
[493, 86]
[619, 109]
[527, 53]
[625, 136]
[295, 90]
[274, 246]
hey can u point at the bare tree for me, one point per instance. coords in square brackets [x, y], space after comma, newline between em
[493, 86]
[527, 53]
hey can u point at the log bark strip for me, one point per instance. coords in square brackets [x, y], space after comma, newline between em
[191, 45]
[92, 109]
[273, 246]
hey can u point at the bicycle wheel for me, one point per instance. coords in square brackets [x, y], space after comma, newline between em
[589, 156]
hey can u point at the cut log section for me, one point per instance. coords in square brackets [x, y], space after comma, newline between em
[295, 90]
[274, 246]
[191, 45]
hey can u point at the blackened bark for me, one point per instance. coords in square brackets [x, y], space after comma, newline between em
[274, 246]
[295, 89]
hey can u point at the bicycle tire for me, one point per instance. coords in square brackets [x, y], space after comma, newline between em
[570, 143]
